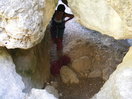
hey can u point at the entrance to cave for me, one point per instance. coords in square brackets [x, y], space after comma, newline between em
[93, 58]
[78, 85]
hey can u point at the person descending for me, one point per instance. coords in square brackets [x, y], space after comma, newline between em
[57, 27]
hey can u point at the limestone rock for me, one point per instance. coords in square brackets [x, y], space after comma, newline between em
[11, 84]
[50, 89]
[82, 64]
[95, 73]
[111, 17]
[33, 64]
[23, 22]
[119, 85]
[68, 76]
[40, 94]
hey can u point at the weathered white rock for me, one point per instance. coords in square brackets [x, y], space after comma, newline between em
[33, 64]
[23, 22]
[40, 94]
[68, 76]
[111, 17]
[82, 64]
[50, 89]
[11, 84]
[119, 85]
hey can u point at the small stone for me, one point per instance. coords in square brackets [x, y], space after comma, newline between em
[68, 76]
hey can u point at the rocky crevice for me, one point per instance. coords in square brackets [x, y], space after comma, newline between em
[23, 24]
[34, 64]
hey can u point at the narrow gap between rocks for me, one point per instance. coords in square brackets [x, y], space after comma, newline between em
[93, 58]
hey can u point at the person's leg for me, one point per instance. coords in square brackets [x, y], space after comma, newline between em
[53, 42]
[59, 47]
[53, 31]
[60, 43]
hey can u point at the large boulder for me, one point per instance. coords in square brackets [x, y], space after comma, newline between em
[111, 17]
[68, 75]
[23, 22]
[11, 84]
[119, 85]
[40, 94]
[33, 64]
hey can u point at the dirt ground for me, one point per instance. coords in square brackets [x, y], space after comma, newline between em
[86, 88]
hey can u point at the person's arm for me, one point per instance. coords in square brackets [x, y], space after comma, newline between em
[65, 2]
[70, 16]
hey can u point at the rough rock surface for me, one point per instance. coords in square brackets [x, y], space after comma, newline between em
[81, 64]
[33, 64]
[111, 17]
[11, 84]
[40, 94]
[119, 85]
[68, 75]
[23, 22]
[102, 53]
[50, 89]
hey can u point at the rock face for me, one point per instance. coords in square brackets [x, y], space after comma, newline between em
[119, 85]
[23, 22]
[92, 54]
[106, 16]
[11, 84]
[41, 94]
[33, 64]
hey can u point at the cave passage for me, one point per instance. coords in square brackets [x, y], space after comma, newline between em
[77, 64]
[85, 87]
[93, 57]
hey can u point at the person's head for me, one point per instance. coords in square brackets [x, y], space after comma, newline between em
[61, 8]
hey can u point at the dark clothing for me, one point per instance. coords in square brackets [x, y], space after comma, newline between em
[57, 31]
